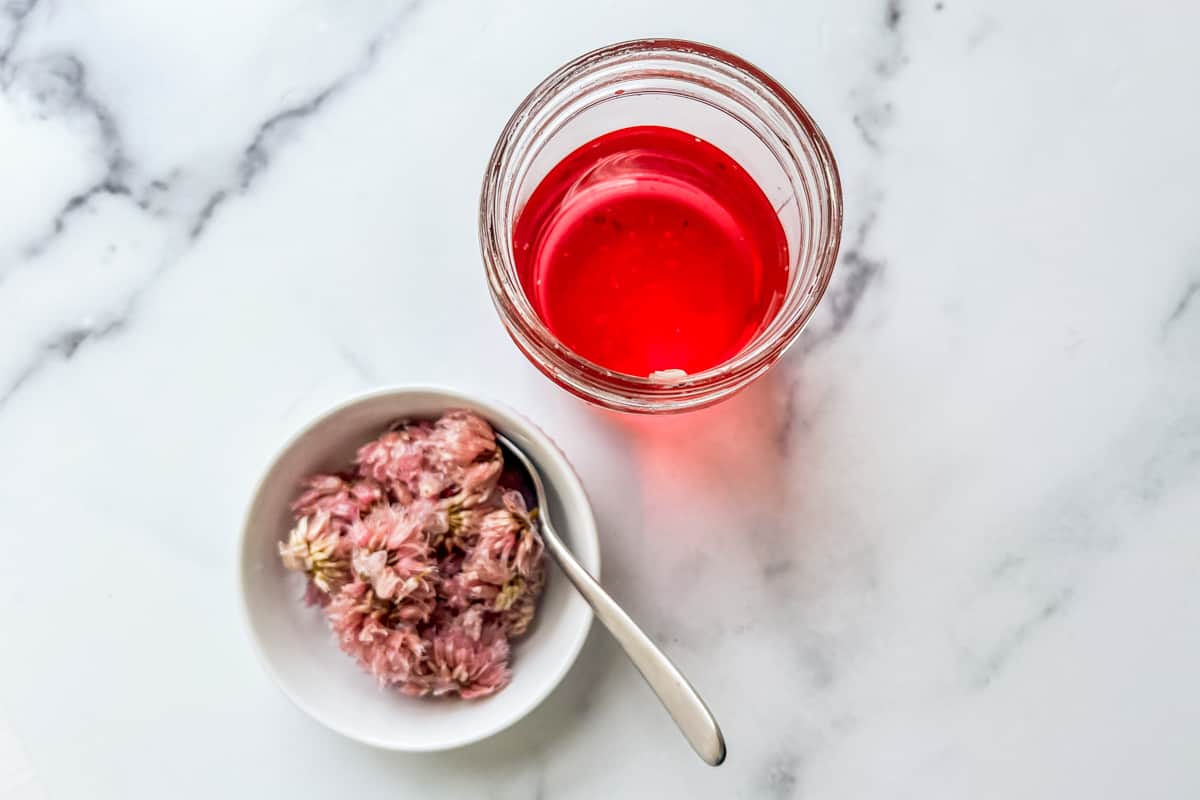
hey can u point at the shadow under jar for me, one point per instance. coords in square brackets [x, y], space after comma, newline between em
[659, 88]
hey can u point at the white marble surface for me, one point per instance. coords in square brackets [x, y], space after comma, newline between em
[950, 548]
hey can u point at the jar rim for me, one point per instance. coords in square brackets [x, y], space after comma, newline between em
[592, 381]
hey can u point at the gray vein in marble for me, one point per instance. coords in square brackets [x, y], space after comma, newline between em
[68, 342]
[1181, 307]
[73, 205]
[818, 665]
[893, 13]
[981, 32]
[16, 12]
[63, 347]
[1007, 565]
[871, 120]
[61, 84]
[1172, 462]
[853, 275]
[67, 91]
[787, 418]
[72, 73]
[205, 214]
[875, 114]
[995, 662]
[280, 126]
[858, 271]
[894, 56]
[1083, 529]
[790, 569]
[357, 364]
[778, 568]
[781, 777]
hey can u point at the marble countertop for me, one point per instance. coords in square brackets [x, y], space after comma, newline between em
[949, 548]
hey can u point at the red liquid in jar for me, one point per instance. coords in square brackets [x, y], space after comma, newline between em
[648, 249]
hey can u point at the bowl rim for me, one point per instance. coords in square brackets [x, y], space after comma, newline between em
[587, 549]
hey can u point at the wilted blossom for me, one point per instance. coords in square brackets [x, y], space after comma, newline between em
[398, 527]
[341, 498]
[314, 547]
[395, 456]
[469, 661]
[464, 521]
[477, 482]
[462, 438]
[366, 628]
[506, 535]
[405, 581]
[519, 614]
[423, 567]
[467, 588]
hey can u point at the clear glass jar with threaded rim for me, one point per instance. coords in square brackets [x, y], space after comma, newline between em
[712, 94]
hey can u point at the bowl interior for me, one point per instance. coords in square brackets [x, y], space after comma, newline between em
[295, 642]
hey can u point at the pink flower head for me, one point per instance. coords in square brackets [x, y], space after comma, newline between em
[394, 577]
[366, 493]
[463, 438]
[395, 527]
[393, 658]
[465, 588]
[477, 482]
[471, 622]
[326, 493]
[507, 536]
[464, 459]
[365, 631]
[457, 662]
[519, 614]
[315, 547]
[395, 456]
[392, 554]
[350, 608]
[432, 484]
[530, 546]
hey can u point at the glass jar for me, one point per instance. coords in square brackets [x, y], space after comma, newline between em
[695, 88]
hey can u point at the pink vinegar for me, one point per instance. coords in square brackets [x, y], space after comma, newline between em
[649, 249]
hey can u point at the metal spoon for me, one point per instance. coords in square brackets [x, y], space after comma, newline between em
[685, 706]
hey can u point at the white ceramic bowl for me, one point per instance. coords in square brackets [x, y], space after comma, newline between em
[295, 643]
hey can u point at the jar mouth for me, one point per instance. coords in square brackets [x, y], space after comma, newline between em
[718, 78]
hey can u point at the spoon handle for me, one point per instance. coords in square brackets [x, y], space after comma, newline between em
[685, 706]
